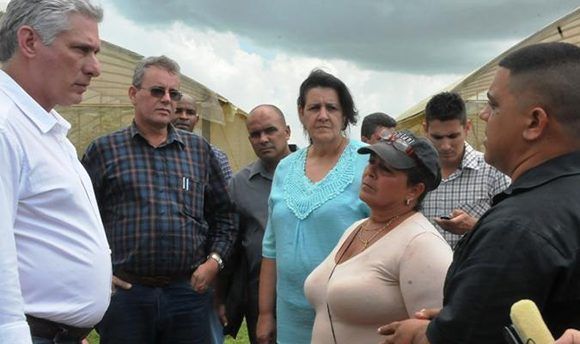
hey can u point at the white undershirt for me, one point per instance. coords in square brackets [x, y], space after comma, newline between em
[55, 261]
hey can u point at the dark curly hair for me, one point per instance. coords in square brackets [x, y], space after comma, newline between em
[320, 78]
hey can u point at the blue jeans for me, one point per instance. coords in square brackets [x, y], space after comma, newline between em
[174, 314]
[215, 324]
[216, 328]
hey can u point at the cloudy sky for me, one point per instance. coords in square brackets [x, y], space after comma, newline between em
[391, 53]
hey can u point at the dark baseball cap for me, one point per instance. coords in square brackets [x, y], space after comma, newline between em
[403, 150]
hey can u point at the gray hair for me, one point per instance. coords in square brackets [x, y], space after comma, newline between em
[162, 62]
[47, 17]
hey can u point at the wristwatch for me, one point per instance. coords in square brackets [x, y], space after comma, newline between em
[217, 258]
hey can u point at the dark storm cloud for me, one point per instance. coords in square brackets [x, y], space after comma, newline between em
[412, 36]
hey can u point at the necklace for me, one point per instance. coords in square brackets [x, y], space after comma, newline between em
[367, 241]
[361, 228]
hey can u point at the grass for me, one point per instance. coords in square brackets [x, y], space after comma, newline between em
[243, 338]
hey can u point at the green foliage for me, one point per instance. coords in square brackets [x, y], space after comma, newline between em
[243, 338]
[93, 338]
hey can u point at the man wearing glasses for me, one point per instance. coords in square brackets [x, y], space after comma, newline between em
[167, 214]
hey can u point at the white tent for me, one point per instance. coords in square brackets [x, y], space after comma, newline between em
[473, 87]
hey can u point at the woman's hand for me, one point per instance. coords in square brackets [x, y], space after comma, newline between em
[427, 313]
[569, 337]
[266, 329]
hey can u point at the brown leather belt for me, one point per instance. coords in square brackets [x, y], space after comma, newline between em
[152, 281]
[54, 331]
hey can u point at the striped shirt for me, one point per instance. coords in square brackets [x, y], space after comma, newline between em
[470, 188]
[164, 208]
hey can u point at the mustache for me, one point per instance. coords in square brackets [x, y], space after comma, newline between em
[266, 145]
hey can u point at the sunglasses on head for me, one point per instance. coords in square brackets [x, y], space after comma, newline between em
[159, 92]
[401, 141]
[190, 112]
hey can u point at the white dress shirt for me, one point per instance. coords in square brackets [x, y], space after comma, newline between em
[55, 261]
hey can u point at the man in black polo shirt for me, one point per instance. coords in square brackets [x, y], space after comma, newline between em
[526, 246]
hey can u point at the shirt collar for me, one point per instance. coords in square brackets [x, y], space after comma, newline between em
[172, 134]
[44, 121]
[258, 167]
[470, 158]
[564, 165]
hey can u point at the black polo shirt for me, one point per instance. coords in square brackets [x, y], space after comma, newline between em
[525, 247]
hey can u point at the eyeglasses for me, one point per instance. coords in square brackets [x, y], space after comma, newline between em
[401, 141]
[159, 92]
[190, 112]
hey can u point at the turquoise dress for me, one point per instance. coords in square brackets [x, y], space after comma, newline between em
[305, 222]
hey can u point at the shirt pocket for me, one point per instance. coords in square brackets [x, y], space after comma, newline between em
[190, 194]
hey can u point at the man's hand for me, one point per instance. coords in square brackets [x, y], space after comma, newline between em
[204, 275]
[266, 329]
[221, 312]
[410, 331]
[569, 337]
[460, 222]
[119, 283]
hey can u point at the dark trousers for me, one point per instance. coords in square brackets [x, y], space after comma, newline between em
[173, 314]
[38, 340]
[251, 310]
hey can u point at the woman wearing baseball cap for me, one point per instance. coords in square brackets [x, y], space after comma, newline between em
[393, 263]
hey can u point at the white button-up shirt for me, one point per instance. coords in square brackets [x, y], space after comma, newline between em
[55, 261]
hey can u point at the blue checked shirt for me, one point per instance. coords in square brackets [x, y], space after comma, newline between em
[470, 188]
[222, 159]
[164, 209]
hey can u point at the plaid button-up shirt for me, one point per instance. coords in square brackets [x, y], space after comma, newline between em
[470, 188]
[164, 208]
[222, 159]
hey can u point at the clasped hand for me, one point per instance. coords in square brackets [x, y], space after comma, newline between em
[412, 331]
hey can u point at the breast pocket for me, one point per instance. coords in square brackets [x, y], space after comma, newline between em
[190, 194]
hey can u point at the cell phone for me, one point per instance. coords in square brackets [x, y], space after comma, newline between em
[444, 217]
